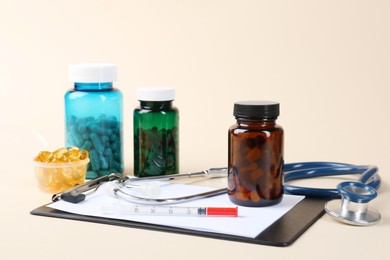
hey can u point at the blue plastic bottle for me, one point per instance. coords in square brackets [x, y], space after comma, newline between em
[93, 117]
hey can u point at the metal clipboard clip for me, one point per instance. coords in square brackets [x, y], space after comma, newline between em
[79, 193]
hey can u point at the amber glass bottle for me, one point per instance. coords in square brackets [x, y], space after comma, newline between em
[255, 160]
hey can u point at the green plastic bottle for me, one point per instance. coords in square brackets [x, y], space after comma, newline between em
[156, 133]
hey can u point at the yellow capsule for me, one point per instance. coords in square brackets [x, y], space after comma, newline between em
[45, 156]
[55, 160]
[65, 159]
[69, 154]
[57, 179]
[74, 175]
[84, 155]
[72, 155]
[59, 153]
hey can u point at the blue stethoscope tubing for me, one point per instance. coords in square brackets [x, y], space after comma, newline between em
[303, 170]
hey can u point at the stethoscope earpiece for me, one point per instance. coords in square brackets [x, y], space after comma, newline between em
[353, 207]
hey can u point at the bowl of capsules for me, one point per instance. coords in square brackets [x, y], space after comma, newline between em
[60, 170]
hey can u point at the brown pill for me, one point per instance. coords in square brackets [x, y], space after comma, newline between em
[243, 196]
[254, 154]
[249, 168]
[255, 196]
[256, 174]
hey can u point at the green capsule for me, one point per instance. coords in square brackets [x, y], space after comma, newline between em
[82, 126]
[91, 175]
[96, 142]
[77, 138]
[87, 145]
[95, 165]
[103, 162]
[101, 130]
[114, 138]
[110, 157]
[105, 140]
[109, 122]
[115, 145]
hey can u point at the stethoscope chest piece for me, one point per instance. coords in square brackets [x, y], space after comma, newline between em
[353, 207]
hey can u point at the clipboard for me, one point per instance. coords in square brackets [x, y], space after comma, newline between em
[281, 233]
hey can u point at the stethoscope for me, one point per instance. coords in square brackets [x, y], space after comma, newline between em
[349, 201]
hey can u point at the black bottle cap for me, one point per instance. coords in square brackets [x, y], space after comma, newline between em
[256, 109]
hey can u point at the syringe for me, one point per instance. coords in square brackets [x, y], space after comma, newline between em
[170, 210]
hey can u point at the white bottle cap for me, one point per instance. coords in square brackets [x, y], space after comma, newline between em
[156, 94]
[90, 73]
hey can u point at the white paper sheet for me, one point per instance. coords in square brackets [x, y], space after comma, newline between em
[249, 223]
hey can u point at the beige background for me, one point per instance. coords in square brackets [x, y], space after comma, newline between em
[326, 62]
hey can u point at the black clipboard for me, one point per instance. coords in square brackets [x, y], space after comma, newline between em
[282, 232]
